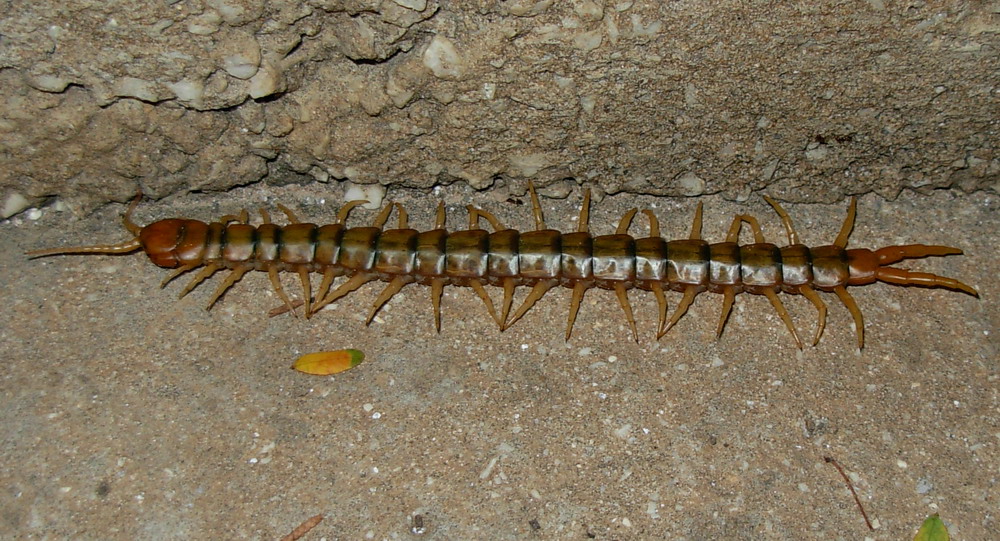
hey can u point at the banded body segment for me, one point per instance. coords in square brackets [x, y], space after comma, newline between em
[829, 267]
[688, 262]
[760, 267]
[614, 261]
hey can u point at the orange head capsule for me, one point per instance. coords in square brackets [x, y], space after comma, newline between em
[174, 242]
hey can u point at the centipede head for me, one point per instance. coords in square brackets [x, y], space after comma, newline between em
[161, 241]
[867, 267]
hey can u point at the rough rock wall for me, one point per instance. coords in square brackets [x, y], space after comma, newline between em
[812, 100]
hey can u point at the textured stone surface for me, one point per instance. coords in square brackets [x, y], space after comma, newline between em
[810, 101]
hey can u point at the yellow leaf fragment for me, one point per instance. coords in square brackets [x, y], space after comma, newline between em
[324, 363]
[932, 529]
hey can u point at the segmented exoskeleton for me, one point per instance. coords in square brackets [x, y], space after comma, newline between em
[541, 259]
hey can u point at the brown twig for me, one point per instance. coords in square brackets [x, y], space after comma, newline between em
[847, 480]
[278, 310]
[303, 528]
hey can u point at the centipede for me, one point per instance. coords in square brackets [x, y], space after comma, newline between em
[506, 258]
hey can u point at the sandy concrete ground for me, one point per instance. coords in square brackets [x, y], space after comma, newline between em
[130, 414]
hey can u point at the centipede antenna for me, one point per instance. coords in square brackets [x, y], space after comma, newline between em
[793, 237]
[536, 208]
[783, 313]
[306, 290]
[654, 223]
[661, 303]
[622, 295]
[382, 217]
[131, 226]
[440, 218]
[437, 289]
[477, 286]
[579, 289]
[126, 247]
[177, 272]
[852, 307]
[625, 222]
[265, 216]
[347, 208]
[394, 286]
[537, 292]
[202, 275]
[690, 292]
[404, 218]
[583, 224]
[727, 307]
[814, 298]
[845, 230]
[354, 282]
[509, 284]
[272, 274]
[292, 218]
[230, 279]
[696, 226]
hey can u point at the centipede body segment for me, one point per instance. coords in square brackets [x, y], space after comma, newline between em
[540, 259]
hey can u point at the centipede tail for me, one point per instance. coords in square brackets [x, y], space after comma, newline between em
[540, 259]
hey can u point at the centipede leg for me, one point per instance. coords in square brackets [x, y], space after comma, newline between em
[437, 289]
[661, 302]
[622, 294]
[345, 210]
[179, 271]
[324, 286]
[477, 286]
[814, 298]
[579, 289]
[690, 293]
[394, 286]
[242, 218]
[537, 292]
[845, 230]
[306, 290]
[536, 208]
[852, 307]
[727, 307]
[272, 274]
[202, 275]
[352, 283]
[382, 217]
[440, 216]
[783, 313]
[509, 285]
[292, 218]
[583, 223]
[793, 237]
[231, 279]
